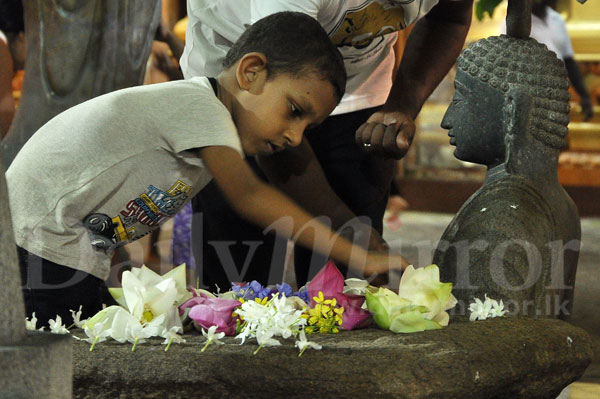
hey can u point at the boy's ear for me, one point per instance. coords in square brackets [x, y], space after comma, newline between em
[250, 68]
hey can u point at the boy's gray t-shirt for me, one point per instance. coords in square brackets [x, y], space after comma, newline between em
[110, 170]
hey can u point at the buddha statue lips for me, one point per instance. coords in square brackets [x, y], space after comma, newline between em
[510, 113]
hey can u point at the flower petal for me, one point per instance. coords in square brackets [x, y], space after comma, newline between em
[328, 280]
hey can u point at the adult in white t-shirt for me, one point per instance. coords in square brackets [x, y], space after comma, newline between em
[345, 167]
[549, 27]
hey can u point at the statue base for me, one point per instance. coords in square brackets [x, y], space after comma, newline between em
[507, 357]
[40, 366]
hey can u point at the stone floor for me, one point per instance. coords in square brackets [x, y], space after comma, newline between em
[416, 236]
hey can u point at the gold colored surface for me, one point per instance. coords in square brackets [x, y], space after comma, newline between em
[583, 23]
[487, 27]
[584, 136]
[582, 390]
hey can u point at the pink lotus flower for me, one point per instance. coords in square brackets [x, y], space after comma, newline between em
[190, 303]
[330, 282]
[207, 312]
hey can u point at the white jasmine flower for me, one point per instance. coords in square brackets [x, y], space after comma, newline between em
[77, 318]
[211, 337]
[497, 309]
[137, 333]
[95, 335]
[302, 344]
[57, 327]
[489, 308]
[31, 325]
[278, 317]
[171, 335]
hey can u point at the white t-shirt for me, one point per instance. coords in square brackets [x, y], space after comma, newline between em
[552, 32]
[125, 162]
[364, 31]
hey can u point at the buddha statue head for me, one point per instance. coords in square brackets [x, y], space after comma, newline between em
[511, 103]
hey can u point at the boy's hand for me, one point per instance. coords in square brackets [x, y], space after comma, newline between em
[387, 133]
[384, 262]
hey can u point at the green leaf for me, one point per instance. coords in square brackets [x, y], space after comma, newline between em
[485, 6]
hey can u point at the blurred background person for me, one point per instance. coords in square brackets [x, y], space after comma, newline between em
[12, 58]
[549, 27]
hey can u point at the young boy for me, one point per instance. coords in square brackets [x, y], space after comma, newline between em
[112, 169]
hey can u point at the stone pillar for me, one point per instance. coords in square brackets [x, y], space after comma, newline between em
[77, 50]
[34, 365]
[518, 18]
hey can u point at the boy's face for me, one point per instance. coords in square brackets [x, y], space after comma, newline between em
[273, 114]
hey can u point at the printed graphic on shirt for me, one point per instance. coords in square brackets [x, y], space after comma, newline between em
[361, 25]
[149, 210]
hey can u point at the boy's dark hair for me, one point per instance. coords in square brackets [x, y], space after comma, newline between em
[11, 16]
[293, 43]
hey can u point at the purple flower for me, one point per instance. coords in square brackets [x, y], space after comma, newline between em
[303, 294]
[284, 289]
[250, 291]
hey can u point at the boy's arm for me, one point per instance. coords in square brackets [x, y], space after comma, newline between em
[265, 206]
[297, 172]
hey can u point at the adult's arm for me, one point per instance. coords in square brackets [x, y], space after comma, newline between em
[577, 82]
[265, 206]
[431, 49]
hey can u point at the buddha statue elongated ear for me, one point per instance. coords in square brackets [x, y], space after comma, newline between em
[518, 108]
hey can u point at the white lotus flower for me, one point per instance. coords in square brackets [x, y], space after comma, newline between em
[147, 295]
[420, 304]
[422, 287]
[57, 326]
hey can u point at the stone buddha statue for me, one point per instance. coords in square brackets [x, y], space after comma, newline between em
[517, 237]
[77, 50]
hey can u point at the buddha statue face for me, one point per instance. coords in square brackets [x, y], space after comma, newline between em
[474, 121]
[511, 97]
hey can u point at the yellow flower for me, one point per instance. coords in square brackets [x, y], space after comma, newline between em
[326, 316]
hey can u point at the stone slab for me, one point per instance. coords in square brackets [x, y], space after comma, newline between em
[499, 358]
[12, 308]
[39, 366]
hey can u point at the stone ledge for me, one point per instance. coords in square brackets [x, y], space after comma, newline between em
[39, 366]
[499, 358]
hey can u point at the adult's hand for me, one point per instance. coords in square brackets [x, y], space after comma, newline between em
[586, 108]
[387, 134]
